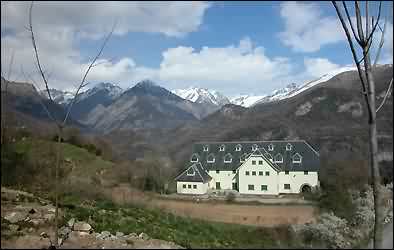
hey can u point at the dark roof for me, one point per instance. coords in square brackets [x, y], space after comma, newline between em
[310, 157]
[200, 174]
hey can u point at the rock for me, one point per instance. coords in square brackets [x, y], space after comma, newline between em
[49, 217]
[52, 210]
[60, 241]
[71, 222]
[15, 217]
[119, 234]
[14, 227]
[82, 226]
[30, 230]
[64, 231]
[133, 235]
[105, 234]
[143, 236]
[37, 222]
[43, 234]
[80, 233]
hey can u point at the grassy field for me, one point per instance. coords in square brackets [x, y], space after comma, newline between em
[187, 232]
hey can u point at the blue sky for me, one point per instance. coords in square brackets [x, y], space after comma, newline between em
[233, 47]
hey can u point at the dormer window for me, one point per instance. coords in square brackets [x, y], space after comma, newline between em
[211, 158]
[194, 158]
[221, 148]
[297, 158]
[254, 147]
[278, 158]
[228, 158]
[288, 147]
[269, 156]
[190, 172]
[205, 148]
[243, 158]
[271, 147]
[238, 147]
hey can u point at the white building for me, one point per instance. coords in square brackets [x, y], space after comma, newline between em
[258, 167]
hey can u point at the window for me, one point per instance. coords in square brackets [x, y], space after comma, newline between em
[243, 157]
[260, 162]
[194, 186]
[194, 158]
[269, 156]
[288, 147]
[206, 148]
[250, 187]
[253, 172]
[267, 173]
[184, 185]
[254, 147]
[253, 162]
[190, 172]
[217, 171]
[235, 187]
[264, 187]
[221, 148]
[278, 158]
[189, 186]
[305, 172]
[228, 158]
[261, 173]
[217, 185]
[211, 158]
[238, 147]
[271, 147]
[247, 173]
[234, 171]
[287, 186]
[286, 172]
[297, 158]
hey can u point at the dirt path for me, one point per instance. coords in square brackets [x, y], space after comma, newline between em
[259, 215]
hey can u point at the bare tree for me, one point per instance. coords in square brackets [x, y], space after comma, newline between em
[60, 125]
[364, 39]
[4, 98]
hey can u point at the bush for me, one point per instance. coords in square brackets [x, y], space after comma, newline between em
[230, 197]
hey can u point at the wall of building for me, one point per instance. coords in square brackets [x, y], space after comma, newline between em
[270, 181]
[226, 178]
[201, 188]
[296, 179]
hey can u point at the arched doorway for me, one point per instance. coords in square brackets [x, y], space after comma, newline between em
[306, 189]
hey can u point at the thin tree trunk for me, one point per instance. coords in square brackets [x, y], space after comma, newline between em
[59, 140]
[373, 150]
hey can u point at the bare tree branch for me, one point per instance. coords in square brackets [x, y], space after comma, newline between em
[28, 77]
[36, 52]
[363, 84]
[82, 84]
[359, 24]
[350, 22]
[385, 96]
[376, 24]
[380, 44]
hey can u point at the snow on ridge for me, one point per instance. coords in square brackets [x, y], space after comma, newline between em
[201, 95]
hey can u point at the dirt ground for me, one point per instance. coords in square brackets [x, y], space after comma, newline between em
[258, 215]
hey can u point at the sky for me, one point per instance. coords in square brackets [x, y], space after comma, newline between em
[232, 47]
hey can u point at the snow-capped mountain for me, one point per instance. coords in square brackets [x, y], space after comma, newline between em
[201, 95]
[246, 100]
[58, 96]
[112, 90]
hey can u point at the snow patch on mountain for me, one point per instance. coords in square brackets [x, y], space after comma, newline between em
[246, 100]
[113, 90]
[202, 95]
[58, 96]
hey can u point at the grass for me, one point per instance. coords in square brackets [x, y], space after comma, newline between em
[187, 232]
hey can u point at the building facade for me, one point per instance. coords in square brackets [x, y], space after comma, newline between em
[257, 167]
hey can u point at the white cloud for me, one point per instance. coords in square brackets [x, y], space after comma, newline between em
[59, 26]
[316, 67]
[306, 29]
[223, 68]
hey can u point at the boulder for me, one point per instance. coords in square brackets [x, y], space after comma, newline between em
[71, 222]
[82, 226]
[15, 217]
[64, 231]
[143, 236]
[105, 234]
[119, 234]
